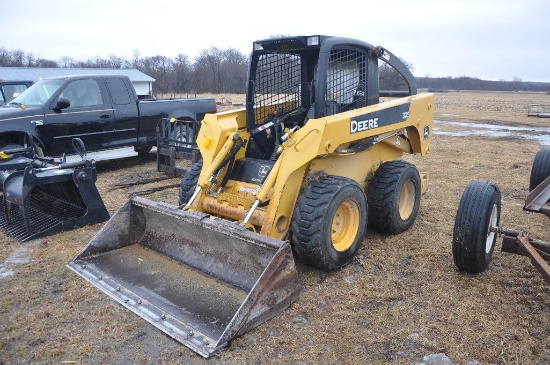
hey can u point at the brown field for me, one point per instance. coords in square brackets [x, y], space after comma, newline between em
[400, 300]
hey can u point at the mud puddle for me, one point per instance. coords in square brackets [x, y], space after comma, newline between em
[459, 129]
[17, 257]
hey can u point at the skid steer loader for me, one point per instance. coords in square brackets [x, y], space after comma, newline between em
[294, 174]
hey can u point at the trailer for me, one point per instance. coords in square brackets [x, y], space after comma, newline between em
[477, 223]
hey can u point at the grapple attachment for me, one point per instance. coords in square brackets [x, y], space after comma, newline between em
[202, 281]
[51, 196]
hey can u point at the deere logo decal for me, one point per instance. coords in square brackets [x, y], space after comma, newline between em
[363, 125]
[379, 118]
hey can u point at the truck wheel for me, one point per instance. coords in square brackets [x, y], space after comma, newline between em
[473, 241]
[143, 150]
[189, 182]
[540, 169]
[394, 197]
[329, 222]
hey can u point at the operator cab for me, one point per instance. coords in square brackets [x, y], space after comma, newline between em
[292, 80]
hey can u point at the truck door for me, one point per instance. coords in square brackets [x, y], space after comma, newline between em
[89, 117]
[126, 115]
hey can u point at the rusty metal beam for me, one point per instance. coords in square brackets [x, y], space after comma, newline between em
[538, 198]
[530, 248]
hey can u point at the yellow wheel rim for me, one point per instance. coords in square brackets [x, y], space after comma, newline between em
[345, 225]
[406, 200]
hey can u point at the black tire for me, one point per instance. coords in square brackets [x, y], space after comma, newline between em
[189, 182]
[143, 150]
[394, 197]
[329, 222]
[540, 169]
[473, 242]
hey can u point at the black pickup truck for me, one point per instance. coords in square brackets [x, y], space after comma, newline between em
[103, 111]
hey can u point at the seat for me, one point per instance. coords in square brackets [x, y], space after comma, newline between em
[90, 97]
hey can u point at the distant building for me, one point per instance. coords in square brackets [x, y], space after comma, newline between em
[142, 83]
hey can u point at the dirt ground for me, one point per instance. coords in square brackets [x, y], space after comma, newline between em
[400, 300]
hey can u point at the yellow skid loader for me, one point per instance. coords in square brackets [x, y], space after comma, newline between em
[294, 174]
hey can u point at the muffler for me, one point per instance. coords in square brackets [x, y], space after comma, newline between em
[201, 280]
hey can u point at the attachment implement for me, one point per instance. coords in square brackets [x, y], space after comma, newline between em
[52, 195]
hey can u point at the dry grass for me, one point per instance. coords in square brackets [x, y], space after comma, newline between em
[401, 298]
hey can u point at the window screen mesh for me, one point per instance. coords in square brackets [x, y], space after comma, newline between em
[278, 79]
[346, 78]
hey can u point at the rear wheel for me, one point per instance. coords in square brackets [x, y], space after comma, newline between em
[473, 239]
[540, 169]
[394, 197]
[189, 182]
[329, 222]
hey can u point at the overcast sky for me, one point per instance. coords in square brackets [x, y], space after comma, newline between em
[492, 40]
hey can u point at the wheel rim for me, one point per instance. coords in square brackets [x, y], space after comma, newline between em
[407, 199]
[490, 234]
[345, 225]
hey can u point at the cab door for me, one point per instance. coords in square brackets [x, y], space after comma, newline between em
[88, 117]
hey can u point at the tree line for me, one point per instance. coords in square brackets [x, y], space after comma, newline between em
[443, 84]
[225, 71]
[213, 70]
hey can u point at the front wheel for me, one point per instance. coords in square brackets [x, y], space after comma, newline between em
[474, 236]
[329, 222]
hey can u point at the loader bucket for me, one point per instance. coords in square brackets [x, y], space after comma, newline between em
[202, 281]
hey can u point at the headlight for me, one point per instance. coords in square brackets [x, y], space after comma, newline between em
[313, 41]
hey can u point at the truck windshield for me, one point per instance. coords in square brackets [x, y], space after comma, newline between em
[37, 94]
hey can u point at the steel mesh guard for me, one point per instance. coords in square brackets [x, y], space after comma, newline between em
[278, 80]
[40, 221]
[346, 79]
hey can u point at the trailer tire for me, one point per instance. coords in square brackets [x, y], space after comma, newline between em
[473, 242]
[329, 222]
[189, 182]
[394, 197]
[540, 169]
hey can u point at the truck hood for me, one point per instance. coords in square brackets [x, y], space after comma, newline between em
[14, 112]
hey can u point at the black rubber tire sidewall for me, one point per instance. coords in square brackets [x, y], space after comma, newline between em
[189, 182]
[383, 195]
[312, 222]
[472, 224]
[143, 150]
[540, 169]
